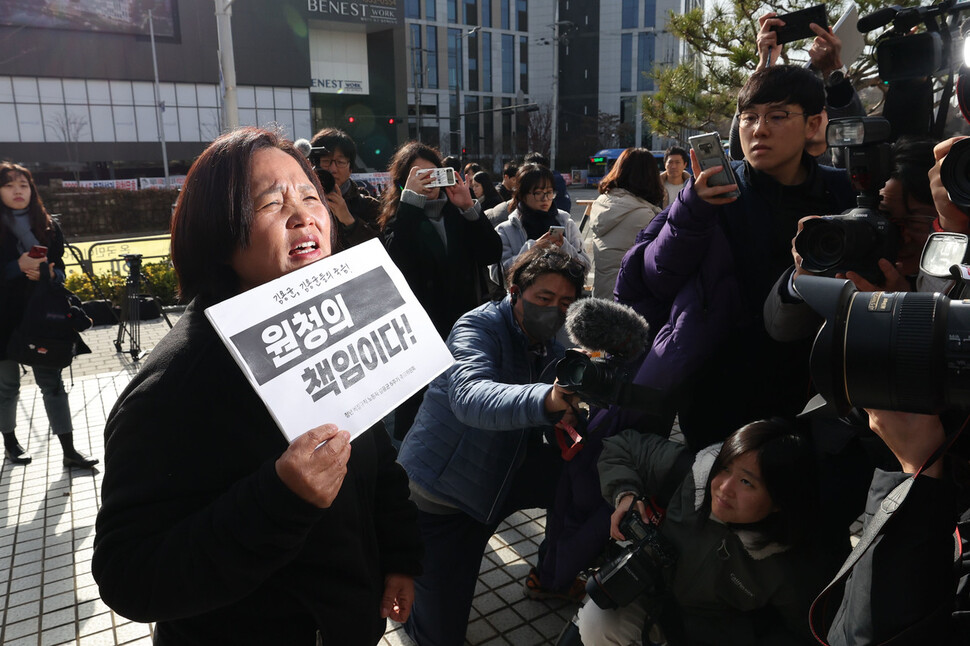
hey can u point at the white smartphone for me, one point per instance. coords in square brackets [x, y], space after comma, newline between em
[442, 176]
[710, 153]
[558, 232]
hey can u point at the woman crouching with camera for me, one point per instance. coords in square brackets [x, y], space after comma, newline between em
[738, 518]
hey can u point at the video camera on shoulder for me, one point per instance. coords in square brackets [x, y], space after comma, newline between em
[858, 238]
[642, 568]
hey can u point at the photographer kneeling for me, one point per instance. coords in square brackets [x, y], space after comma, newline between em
[740, 522]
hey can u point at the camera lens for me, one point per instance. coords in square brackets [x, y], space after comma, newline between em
[824, 245]
[327, 180]
[955, 173]
[905, 351]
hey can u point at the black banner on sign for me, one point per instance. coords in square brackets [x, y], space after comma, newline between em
[273, 346]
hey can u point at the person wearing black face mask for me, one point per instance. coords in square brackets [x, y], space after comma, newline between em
[475, 452]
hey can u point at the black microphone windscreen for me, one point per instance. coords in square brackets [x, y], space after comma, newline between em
[877, 19]
[600, 325]
[303, 146]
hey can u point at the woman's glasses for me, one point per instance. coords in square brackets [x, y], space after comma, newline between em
[543, 195]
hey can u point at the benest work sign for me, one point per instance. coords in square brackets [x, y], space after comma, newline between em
[361, 11]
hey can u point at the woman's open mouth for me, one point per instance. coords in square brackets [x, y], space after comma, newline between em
[305, 247]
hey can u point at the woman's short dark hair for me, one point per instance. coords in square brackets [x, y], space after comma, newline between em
[636, 171]
[41, 223]
[335, 140]
[529, 177]
[784, 84]
[531, 264]
[214, 214]
[676, 150]
[788, 472]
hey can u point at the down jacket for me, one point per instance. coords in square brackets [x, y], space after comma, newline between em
[475, 422]
[616, 218]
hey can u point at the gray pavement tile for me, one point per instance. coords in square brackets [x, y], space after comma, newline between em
[58, 587]
[24, 596]
[488, 602]
[25, 582]
[21, 612]
[103, 638]
[21, 629]
[29, 640]
[58, 618]
[480, 631]
[57, 601]
[129, 632]
[524, 636]
[58, 636]
[504, 619]
[92, 625]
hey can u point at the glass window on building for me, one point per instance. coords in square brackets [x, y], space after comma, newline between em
[488, 122]
[521, 15]
[629, 14]
[431, 56]
[626, 60]
[453, 124]
[649, 13]
[508, 63]
[430, 11]
[472, 119]
[629, 114]
[486, 13]
[452, 11]
[471, 12]
[454, 57]
[473, 62]
[524, 63]
[417, 56]
[487, 61]
[504, 10]
[645, 50]
[412, 9]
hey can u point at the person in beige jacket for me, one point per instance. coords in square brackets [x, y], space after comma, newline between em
[630, 196]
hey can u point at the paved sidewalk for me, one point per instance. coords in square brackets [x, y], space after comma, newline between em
[47, 515]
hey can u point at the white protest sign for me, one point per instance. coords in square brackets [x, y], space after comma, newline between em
[343, 341]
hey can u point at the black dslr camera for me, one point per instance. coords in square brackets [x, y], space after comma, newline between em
[641, 568]
[857, 239]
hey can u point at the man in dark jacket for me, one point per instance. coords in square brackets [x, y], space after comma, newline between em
[354, 210]
[701, 269]
[506, 187]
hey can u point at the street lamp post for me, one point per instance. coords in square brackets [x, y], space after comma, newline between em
[159, 104]
[461, 74]
[227, 62]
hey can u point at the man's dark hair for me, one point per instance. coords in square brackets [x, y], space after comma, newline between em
[510, 169]
[335, 140]
[531, 264]
[536, 158]
[783, 84]
[214, 214]
[677, 150]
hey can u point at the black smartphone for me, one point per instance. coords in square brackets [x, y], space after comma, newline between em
[797, 24]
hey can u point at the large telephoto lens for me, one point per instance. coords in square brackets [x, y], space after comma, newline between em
[903, 351]
[955, 173]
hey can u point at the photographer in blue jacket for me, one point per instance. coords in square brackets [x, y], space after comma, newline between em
[475, 453]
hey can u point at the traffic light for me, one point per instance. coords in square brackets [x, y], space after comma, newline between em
[390, 121]
[463, 151]
[351, 119]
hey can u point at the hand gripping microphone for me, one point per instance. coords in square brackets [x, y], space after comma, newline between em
[599, 325]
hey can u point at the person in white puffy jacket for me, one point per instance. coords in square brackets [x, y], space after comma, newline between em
[629, 199]
[533, 213]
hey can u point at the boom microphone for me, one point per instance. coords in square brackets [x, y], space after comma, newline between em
[303, 146]
[878, 19]
[597, 324]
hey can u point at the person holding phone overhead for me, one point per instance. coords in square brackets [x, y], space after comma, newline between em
[535, 221]
[30, 241]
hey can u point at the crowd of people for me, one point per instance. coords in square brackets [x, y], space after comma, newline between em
[218, 530]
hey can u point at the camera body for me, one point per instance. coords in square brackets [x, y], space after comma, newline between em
[858, 238]
[853, 241]
[598, 381]
[641, 568]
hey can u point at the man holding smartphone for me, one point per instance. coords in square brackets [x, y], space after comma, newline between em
[701, 269]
